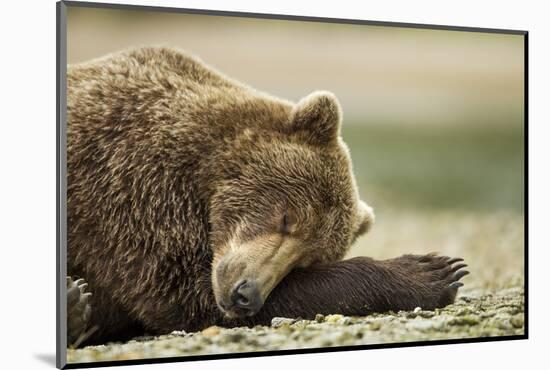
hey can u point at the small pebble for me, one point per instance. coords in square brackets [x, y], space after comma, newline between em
[465, 320]
[334, 318]
[211, 331]
[427, 314]
[179, 333]
[234, 337]
[421, 325]
[375, 325]
[277, 322]
[517, 321]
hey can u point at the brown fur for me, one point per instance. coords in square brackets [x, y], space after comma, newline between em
[174, 168]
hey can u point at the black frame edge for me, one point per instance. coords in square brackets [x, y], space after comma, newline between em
[526, 183]
[61, 185]
[227, 13]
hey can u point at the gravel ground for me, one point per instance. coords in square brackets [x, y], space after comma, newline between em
[490, 304]
[473, 315]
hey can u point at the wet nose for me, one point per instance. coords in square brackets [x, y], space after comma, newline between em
[246, 296]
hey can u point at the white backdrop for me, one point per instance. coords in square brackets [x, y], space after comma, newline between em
[27, 185]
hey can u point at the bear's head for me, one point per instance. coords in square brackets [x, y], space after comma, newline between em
[287, 199]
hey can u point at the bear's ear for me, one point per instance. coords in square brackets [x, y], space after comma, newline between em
[317, 118]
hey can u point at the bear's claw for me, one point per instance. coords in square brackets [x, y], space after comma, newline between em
[459, 274]
[454, 274]
[456, 285]
[457, 271]
[78, 310]
[458, 267]
[454, 260]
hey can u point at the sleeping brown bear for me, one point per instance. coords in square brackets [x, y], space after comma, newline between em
[196, 200]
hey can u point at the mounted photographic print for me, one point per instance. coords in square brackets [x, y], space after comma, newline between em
[235, 184]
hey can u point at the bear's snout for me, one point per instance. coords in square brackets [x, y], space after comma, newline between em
[240, 299]
[245, 298]
[244, 274]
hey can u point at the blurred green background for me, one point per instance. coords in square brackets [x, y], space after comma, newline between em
[477, 168]
[433, 118]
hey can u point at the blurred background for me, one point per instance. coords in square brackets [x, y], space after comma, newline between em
[434, 119]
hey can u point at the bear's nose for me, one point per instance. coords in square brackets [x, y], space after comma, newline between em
[246, 297]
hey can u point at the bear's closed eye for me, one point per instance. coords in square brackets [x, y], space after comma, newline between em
[288, 223]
